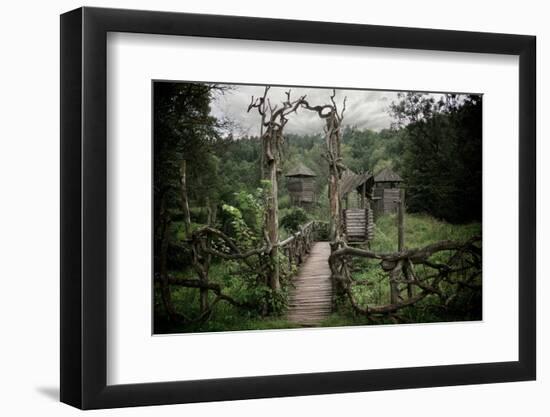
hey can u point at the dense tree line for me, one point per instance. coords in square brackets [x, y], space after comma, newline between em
[440, 157]
[183, 130]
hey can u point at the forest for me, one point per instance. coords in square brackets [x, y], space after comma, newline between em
[231, 245]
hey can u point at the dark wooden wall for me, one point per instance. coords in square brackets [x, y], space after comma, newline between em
[301, 190]
[386, 199]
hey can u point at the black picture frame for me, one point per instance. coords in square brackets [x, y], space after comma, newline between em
[84, 207]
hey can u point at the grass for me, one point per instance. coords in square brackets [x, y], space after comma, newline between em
[420, 230]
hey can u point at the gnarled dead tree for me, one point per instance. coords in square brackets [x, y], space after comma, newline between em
[273, 121]
[333, 136]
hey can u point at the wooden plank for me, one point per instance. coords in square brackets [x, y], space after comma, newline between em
[310, 296]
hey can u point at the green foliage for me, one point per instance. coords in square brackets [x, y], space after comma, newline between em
[225, 317]
[239, 167]
[442, 154]
[321, 230]
[245, 220]
[239, 228]
[294, 219]
[243, 283]
[366, 150]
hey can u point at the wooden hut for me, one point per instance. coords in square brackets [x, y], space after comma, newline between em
[387, 185]
[301, 185]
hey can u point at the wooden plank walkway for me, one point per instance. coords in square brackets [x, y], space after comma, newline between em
[310, 298]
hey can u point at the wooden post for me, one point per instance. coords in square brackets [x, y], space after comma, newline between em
[363, 194]
[395, 292]
[395, 274]
[400, 221]
[401, 235]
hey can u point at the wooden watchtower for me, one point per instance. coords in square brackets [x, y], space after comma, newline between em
[387, 185]
[301, 185]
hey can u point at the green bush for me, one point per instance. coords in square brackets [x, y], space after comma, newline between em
[294, 219]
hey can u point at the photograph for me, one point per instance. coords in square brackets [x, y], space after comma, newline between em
[281, 207]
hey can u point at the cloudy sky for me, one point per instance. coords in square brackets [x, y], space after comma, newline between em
[364, 109]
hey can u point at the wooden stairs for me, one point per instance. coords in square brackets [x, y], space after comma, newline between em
[359, 224]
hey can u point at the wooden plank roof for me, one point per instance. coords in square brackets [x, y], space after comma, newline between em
[300, 170]
[351, 181]
[387, 175]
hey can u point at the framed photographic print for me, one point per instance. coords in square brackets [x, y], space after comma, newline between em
[256, 208]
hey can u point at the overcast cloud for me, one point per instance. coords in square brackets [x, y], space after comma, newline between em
[364, 109]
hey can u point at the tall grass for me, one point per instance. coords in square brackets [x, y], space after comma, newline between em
[420, 230]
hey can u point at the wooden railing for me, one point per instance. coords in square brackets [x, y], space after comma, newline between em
[412, 274]
[297, 246]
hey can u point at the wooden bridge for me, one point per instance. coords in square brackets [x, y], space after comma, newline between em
[310, 294]
[310, 298]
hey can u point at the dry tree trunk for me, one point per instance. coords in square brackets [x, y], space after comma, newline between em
[272, 140]
[166, 295]
[272, 222]
[333, 123]
[200, 265]
[333, 140]
[185, 198]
